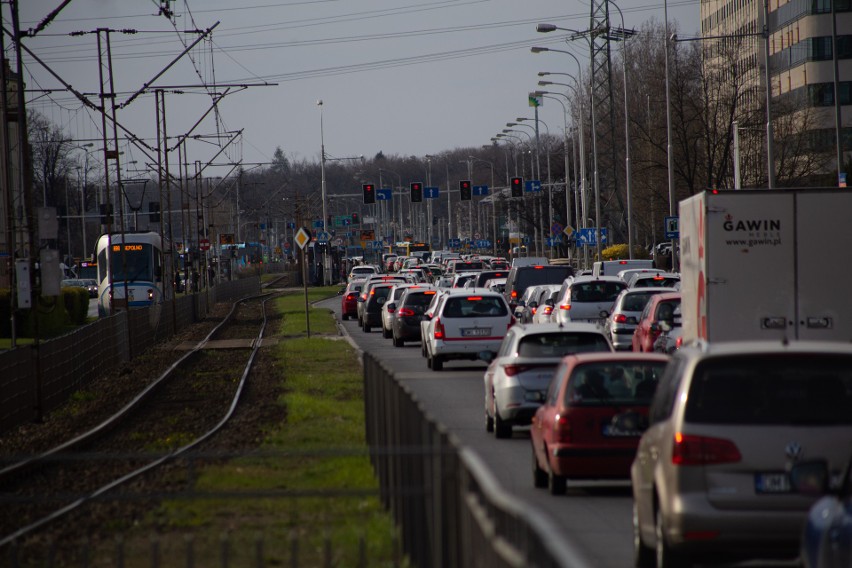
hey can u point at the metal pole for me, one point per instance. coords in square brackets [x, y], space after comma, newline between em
[838, 124]
[737, 179]
[770, 142]
[670, 156]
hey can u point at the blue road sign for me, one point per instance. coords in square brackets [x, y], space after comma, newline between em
[480, 190]
[672, 227]
[291, 224]
[384, 194]
[526, 240]
[588, 237]
[430, 192]
[553, 241]
[455, 243]
[323, 237]
[532, 185]
[556, 229]
[317, 224]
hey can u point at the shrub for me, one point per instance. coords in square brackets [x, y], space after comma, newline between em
[76, 302]
[620, 251]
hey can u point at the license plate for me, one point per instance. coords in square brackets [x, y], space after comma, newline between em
[772, 483]
[611, 431]
[476, 332]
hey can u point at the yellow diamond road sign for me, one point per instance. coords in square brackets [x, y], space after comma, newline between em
[303, 237]
[568, 230]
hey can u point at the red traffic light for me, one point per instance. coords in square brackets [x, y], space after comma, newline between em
[369, 193]
[517, 187]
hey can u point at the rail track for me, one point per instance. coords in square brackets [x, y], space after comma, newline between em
[176, 413]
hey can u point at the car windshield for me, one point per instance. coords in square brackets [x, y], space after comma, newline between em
[596, 291]
[475, 306]
[772, 390]
[607, 383]
[561, 344]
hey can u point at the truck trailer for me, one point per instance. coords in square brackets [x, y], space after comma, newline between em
[766, 264]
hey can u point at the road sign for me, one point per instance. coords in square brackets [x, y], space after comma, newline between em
[532, 185]
[338, 242]
[303, 237]
[454, 243]
[556, 228]
[588, 237]
[431, 192]
[384, 194]
[553, 241]
[286, 246]
[323, 237]
[317, 224]
[672, 227]
[204, 244]
[480, 190]
[568, 230]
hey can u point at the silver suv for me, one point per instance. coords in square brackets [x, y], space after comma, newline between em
[727, 422]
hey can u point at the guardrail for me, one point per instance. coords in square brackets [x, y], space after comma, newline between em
[35, 380]
[451, 510]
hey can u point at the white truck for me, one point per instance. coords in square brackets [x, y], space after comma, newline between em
[613, 267]
[766, 264]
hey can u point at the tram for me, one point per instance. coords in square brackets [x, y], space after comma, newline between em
[130, 271]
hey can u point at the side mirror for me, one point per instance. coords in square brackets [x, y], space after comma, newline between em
[487, 356]
[665, 325]
[810, 477]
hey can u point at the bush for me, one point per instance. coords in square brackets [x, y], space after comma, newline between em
[54, 314]
[76, 302]
[618, 252]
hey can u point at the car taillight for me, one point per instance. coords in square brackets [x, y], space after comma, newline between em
[565, 307]
[679, 342]
[548, 310]
[514, 294]
[439, 329]
[350, 296]
[534, 310]
[562, 429]
[405, 312]
[702, 450]
[619, 318]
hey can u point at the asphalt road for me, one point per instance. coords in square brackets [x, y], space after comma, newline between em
[595, 516]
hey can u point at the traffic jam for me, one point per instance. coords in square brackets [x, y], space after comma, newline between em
[721, 392]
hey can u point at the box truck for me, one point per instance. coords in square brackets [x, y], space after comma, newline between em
[766, 264]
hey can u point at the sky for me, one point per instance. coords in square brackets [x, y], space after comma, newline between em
[402, 77]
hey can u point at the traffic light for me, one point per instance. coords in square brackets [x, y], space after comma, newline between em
[416, 192]
[464, 189]
[153, 212]
[369, 193]
[517, 185]
[355, 219]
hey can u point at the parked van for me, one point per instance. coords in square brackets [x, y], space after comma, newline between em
[613, 267]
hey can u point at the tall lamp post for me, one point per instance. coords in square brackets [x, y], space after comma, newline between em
[326, 272]
[548, 28]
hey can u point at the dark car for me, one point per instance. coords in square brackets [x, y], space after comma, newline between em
[371, 314]
[410, 310]
[522, 277]
[487, 275]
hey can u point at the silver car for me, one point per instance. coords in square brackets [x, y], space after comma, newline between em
[518, 375]
[625, 313]
[727, 422]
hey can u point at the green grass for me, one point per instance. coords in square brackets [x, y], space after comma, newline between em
[315, 458]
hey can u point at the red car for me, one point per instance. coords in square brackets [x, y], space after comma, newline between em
[349, 303]
[661, 307]
[593, 415]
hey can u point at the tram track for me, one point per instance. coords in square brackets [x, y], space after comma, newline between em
[174, 414]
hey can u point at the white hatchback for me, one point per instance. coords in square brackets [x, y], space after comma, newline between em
[464, 324]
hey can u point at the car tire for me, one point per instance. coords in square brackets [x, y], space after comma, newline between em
[344, 317]
[502, 429]
[437, 363]
[556, 484]
[489, 422]
[539, 475]
[665, 556]
[386, 334]
[366, 328]
[643, 556]
[428, 362]
[397, 342]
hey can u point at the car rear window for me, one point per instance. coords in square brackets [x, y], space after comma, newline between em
[623, 382]
[774, 390]
[417, 301]
[636, 302]
[596, 291]
[656, 283]
[467, 266]
[475, 306]
[561, 344]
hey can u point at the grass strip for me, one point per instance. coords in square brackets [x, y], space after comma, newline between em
[328, 511]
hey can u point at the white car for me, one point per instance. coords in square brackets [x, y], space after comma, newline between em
[362, 271]
[546, 304]
[464, 324]
[588, 298]
[517, 377]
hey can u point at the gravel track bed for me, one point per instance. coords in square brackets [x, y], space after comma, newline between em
[194, 402]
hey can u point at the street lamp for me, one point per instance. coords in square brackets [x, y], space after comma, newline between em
[550, 28]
